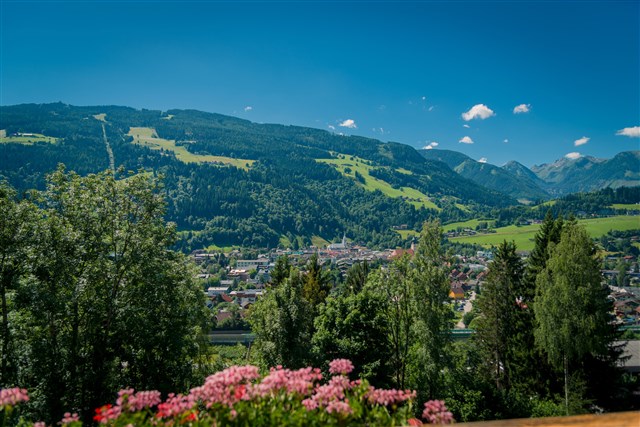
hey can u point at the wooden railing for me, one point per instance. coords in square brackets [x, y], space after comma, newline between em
[615, 419]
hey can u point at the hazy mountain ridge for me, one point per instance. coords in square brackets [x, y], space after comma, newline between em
[564, 176]
[588, 173]
[519, 186]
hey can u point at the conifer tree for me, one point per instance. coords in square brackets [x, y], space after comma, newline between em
[530, 367]
[571, 307]
[500, 305]
[316, 283]
[431, 307]
[281, 271]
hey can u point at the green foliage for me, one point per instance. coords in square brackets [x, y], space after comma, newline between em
[316, 283]
[285, 192]
[352, 325]
[432, 313]
[18, 230]
[102, 303]
[282, 321]
[571, 306]
[500, 306]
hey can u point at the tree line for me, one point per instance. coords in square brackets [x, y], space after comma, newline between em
[544, 344]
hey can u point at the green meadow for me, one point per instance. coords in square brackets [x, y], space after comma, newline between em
[27, 140]
[626, 206]
[524, 236]
[149, 138]
[356, 164]
[472, 224]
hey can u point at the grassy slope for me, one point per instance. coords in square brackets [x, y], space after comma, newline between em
[411, 195]
[626, 206]
[472, 223]
[28, 140]
[149, 138]
[523, 236]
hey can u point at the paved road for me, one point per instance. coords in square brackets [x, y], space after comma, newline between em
[467, 308]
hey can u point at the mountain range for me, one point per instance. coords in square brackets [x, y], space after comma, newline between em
[564, 176]
[229, 181]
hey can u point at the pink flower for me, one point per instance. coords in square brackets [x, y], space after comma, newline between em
[388, 397]
[340, 366]
[339, 407]
[13, 396]
[435, 412]
[225, 387]
[310, 404]
[175, 405]
[299, 382]
[39, 424]
[134, 402]
[69, 418]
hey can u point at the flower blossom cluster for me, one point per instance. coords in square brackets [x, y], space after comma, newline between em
[340, 366]
[13, 396]
[435, 412]
[332, 396]
[69, 418]
[131, 401]
[388, 397]
[226, 387]
[175, 405]
[233, 396]
[107, 413]
[300, 382]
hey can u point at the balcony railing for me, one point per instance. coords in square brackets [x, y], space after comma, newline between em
[615, 419]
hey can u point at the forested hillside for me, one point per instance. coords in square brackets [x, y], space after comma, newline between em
[233, 182]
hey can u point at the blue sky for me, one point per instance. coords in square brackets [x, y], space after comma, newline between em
[395, 71]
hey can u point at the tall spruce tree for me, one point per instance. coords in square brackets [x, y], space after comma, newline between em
[317, 285]
[531, 368]
[500, 306]
[432, 311]
[571, 307]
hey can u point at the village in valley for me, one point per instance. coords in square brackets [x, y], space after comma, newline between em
[233, 283]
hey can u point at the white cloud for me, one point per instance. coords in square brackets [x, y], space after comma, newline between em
[431, 145]
[506, 141]
[632, 132]
[466, 126]
[478, 111]
[483, 160]
[248, 108]
[466, 140]
[424, 98]
[431, 108]
[522, 108]
[332, 127]
[581, 141]
[381, 131]
[349, 123]
[573, 155]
